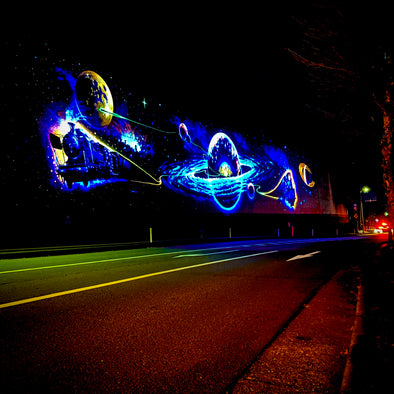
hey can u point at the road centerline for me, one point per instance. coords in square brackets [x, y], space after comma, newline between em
[120, 281]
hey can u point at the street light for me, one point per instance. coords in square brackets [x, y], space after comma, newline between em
[364, 189]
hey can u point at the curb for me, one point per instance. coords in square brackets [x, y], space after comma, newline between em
[357, 332]
[312, 373]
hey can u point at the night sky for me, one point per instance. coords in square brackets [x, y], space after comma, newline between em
[227, 67]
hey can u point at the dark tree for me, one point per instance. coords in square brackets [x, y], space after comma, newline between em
[345, 54]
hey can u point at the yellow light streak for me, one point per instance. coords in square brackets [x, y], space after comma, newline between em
[268, 193]
[157, 182]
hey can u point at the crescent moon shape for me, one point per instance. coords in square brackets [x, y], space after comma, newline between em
[303, 169]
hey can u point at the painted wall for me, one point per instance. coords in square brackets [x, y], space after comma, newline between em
[97, 136]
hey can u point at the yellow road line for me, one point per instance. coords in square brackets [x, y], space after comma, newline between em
[117, 282]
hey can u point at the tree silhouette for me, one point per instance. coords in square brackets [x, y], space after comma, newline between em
[347, 63]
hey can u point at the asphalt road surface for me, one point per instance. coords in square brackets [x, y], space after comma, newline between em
[175, 319]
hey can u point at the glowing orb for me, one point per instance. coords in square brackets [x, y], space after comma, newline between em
[92, 95]
[224, 172]
[306, 174]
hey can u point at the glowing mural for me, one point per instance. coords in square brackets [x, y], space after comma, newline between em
[90, 142]
[305, 174]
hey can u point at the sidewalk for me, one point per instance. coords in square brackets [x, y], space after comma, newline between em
[313, 353]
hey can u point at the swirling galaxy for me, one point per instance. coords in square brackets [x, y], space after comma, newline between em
[191, 176]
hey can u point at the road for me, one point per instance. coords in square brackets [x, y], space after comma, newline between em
[175, 319]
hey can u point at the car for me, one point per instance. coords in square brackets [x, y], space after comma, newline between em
[381, 226]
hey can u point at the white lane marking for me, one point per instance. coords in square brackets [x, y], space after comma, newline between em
[303, 256]
[106, 260]
[204, 254]
[85, 262]
[308, 240]
[117, 282]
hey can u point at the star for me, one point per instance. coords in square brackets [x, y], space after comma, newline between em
[144, 102]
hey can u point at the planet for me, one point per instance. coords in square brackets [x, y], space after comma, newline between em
[223, 159]
[251, 191]
[94, 99]
[184, 133]
[224, 172]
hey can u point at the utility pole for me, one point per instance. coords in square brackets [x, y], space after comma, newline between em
[363, 190]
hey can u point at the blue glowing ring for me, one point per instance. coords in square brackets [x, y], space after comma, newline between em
[191, 176]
